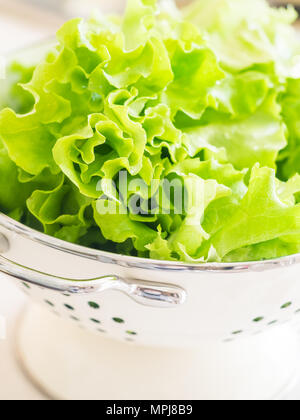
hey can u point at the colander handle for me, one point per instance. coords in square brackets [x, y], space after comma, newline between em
[143, 292]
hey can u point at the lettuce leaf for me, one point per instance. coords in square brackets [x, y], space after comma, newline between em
[262, 216]
[244, 34]
[205, 98]
[245, 141]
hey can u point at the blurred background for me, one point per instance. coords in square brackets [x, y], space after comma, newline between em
[23, 22]
[27, 21]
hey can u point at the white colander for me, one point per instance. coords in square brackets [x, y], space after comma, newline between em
[151, 302]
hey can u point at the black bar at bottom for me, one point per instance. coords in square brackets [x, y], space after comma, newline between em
[149, 409]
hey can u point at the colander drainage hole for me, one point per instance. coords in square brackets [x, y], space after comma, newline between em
[133, 333]
[118, 320]
[69, 307]
[258, 319]
[94, 305]
[96, 321]
[237, 332]
[286, 305]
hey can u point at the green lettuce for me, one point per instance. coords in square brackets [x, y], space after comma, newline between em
[245, 34]
[198, 108]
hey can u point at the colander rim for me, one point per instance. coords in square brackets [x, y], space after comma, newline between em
[142, 263]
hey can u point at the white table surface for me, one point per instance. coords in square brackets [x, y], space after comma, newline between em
[20, 27]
